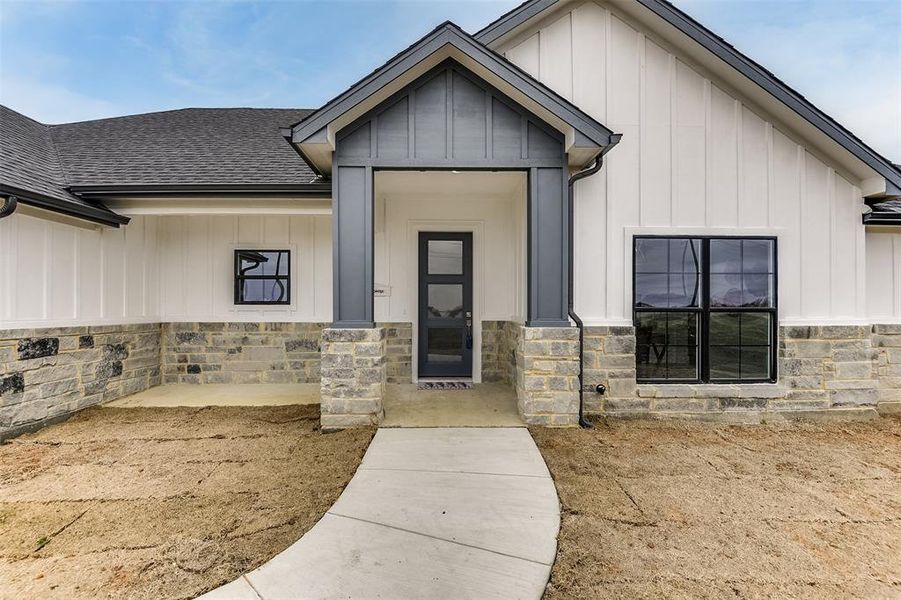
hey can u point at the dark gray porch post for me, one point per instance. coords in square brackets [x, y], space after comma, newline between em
[352, 246]
[548, 240]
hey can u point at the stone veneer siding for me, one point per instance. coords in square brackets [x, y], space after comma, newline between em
[241, 352]
[840, 369]
[547, 375]
[499, 341]
[49, 373]
[399, 352]
[354, 375]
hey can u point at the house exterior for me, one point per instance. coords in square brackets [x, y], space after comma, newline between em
[583, 197]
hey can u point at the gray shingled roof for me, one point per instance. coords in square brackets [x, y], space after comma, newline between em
[189, 147]
[28, 159]
[195, 146]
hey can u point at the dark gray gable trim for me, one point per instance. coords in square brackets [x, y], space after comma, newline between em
[744, 65]
[449, 33]
[99, 214]
[511, 20]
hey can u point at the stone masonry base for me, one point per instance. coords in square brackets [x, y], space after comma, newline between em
[353, 380]
[826, 371]
[547, 370]
[47, 374]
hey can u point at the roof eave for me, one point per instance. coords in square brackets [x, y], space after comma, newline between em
[100, 215]
[311, 190]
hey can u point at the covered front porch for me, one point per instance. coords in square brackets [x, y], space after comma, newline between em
[450, 217]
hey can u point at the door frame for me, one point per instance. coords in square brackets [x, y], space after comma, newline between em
[464, 279]
[476, 228]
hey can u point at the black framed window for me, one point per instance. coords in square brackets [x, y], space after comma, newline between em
[262, 277]
[705, 309]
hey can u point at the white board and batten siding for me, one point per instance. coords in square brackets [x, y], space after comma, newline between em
[197, 266]
[157, 268]
[58, 274]
[884, 276]
[694, 159]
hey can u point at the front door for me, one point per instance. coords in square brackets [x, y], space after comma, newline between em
[445, 305]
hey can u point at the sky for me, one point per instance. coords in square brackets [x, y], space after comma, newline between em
[72, 60]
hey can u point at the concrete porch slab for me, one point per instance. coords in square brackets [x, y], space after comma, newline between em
[216, 394]
[505, 451]
[485, 405]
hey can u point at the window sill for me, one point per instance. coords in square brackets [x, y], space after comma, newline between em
[712, 390]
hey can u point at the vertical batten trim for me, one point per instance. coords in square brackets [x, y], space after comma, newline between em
[833, 254]
[449, 117]
[739, 124]
[642, 122]
[708, 156]
[48, 268]
[802, 196]
[771, 174]
[673, 149]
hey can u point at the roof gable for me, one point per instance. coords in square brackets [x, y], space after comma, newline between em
[316, 134]
[888, 176]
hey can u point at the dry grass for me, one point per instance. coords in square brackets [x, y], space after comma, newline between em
[163, 503]
[669, 510]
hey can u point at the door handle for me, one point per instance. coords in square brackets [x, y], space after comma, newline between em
[468, 330]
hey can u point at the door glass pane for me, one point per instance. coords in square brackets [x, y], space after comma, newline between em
[445, 345]
[445, 301]
[445, 257]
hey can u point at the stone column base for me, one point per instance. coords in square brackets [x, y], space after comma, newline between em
[352, 386]
[547, 375]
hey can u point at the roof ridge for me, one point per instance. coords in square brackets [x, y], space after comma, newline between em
[173, 110]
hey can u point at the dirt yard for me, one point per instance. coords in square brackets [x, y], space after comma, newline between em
[658, 510]
[163, 503]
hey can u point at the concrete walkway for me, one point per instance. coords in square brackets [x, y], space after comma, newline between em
[430, 513]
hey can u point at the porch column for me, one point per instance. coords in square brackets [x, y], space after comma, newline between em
[548, 240]
[352, 247]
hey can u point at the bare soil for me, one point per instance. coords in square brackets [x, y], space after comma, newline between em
[681, 510]
[163, 502]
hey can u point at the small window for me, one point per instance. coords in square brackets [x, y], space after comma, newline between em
[705, 309]
[262, 277]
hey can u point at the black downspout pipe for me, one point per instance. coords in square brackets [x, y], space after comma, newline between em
[9, 207]
[594, 168]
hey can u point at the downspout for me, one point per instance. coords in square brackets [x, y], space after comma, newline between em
[9, 207]
[570, 305]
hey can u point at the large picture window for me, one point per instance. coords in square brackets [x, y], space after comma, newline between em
[705, 309]
[262, 277]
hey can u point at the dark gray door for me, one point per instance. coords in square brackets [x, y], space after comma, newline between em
[445, 305]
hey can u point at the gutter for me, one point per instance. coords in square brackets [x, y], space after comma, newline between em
[95, 214]
[570, 297]
[312, 190]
